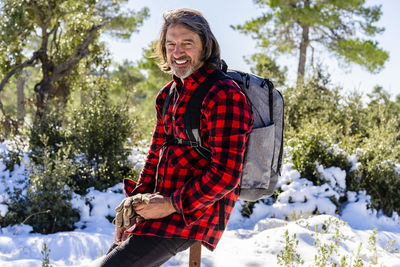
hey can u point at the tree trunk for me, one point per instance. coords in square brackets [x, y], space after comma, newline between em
[42, 90]
[83, 96]
[20, 96]
[303, 56]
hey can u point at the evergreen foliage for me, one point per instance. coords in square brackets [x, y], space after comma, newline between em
[344, 28]
[61, 38]
[71, 152]
[323, 126]
[313, 144]
[46, 203]
[145, 88]
[52, 128]
[99, 133]
[46, 255]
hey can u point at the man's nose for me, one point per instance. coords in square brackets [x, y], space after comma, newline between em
[178, 51]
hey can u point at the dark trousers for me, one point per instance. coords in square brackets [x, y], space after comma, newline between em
[145, 251]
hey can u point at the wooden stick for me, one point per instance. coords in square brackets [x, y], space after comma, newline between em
[195, 255]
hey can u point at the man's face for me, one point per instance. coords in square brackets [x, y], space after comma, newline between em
[184, 50]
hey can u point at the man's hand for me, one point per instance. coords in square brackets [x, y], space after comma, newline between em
[158, 207]
[125, 210]
[120, 235]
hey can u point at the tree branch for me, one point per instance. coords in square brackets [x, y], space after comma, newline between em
[2, 108]
[82, 50]
[27, 63]
[8, 120]
[319, 36]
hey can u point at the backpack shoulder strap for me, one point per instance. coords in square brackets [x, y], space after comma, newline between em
[193, 111]
[193, 108]
[167, 102]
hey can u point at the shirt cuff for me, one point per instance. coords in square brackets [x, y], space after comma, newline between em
[175, 200]
[175, 207]
[129, 186]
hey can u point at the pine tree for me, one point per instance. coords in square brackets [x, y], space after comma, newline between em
[343, 27]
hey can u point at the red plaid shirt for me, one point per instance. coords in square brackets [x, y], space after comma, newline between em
[197, 186]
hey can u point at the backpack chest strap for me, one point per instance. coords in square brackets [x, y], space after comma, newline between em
[203, 151]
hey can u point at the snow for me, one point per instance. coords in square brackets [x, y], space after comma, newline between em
[256, 241]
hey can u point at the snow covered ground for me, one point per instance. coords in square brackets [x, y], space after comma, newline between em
[275, 231]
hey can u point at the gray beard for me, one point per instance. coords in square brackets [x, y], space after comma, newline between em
[187, 72]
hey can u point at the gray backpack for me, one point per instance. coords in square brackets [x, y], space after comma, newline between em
[263, 158]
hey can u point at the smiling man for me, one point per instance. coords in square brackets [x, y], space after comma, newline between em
[191, 188]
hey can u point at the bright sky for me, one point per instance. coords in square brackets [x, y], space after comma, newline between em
[234, 45]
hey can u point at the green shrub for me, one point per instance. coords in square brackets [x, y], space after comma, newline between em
[96, 133]
[53, 127]
[46, 204]
[17, 203]
[381, 181]
[289, 256]
[247, 208]
[11, 158]
[99, 133]
[46, 255]
[314, 144]
[312, 101]
[376, 172]
[377, 156]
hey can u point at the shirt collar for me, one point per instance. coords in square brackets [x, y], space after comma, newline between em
[198, 76]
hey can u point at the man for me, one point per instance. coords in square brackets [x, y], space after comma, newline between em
[192, 196]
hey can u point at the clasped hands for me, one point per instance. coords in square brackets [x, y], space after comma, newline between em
[138, 208]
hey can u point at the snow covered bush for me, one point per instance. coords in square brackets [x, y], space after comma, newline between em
[381, 180]
[325, 128]
[11, 158]
[373, 169]
[378, 159]
[315, 145]
[44, 200]
[97, 134]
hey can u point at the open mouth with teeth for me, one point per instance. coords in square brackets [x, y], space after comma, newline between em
[181, 62]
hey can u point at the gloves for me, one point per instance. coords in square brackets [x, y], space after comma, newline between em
[126, 210]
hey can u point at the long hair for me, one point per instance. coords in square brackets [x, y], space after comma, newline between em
[194, 21]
